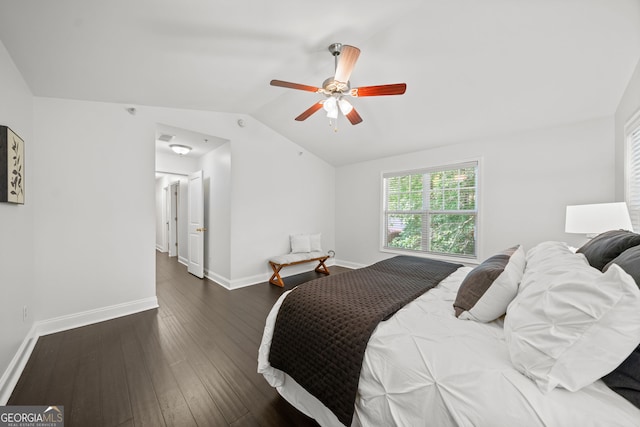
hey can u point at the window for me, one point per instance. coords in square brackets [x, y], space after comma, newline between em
[432, 210]
[633, 171]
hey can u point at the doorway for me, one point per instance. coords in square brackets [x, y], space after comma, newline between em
[172, 218]
[172, 172]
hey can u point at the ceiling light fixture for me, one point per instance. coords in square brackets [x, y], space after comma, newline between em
[180, 149]
[337, 87]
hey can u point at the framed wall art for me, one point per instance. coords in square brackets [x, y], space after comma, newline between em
[11, 167]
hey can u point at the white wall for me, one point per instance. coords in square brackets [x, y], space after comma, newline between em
[95, 217]
[273, 192]
[96, 225]
[277, 189]
[216, 170]
[172, 163]
[526, 182]
[17, 280]
[629, 105]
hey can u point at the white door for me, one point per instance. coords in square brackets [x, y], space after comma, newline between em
[195, 264]
[173, 219]
[165, 220]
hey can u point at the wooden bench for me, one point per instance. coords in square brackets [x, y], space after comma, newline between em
[279, 262]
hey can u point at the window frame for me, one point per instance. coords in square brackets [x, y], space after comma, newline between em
[467, 259]
[632, 126]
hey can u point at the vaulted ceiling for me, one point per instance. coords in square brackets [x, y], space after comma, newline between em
[473, 68]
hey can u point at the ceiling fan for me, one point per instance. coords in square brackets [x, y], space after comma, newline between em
[336, 88]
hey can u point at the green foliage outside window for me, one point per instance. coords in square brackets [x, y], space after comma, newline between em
[453, 234]
[432, 212]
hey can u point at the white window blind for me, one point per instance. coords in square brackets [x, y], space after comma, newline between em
[633, 174]
[432, 210]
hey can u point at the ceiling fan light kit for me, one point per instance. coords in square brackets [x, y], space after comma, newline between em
[337, 87]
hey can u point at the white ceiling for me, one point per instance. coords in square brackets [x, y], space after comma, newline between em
[472, 68]
[200, 143]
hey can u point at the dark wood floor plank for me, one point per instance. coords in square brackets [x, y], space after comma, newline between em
[37, 374]
[246, 421]
[202, 406]
[159, 353]
[190, 362]
[86, 390]
[115, 399]
[144, 403]
[223, 350]
[221, 393]
[59, 390]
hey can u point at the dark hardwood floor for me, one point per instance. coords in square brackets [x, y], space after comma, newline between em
[190, 362]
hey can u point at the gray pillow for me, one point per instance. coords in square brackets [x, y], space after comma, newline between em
[629, 260]
[603, 248]
[625, 379]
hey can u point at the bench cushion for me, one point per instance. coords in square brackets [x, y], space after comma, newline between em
[295, 257]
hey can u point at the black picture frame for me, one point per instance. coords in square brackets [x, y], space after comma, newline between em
[11, 167]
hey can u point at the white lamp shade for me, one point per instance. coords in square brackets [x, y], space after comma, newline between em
[329, 105]
[597, 218]
[345, 106]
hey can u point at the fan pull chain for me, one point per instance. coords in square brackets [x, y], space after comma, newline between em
[332, 123]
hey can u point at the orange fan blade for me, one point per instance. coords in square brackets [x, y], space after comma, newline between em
[346, 62]
[354, 117]
[394, 89]
[290, 85]
[315, 107]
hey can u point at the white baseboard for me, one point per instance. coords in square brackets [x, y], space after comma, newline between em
[249, 281]
[14, 370]
[235, 284]
[349, 264]
[218, 279]
[183, 260]
[44, 327]
[89, 317]
[259, 278]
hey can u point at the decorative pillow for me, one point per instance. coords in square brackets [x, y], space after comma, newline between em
[488, 289]
[570, 324]
[606, 246]
[629, 260]
[300, 243]
[315, 241]
[625, 379]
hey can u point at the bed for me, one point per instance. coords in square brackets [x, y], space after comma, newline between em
[546, 337]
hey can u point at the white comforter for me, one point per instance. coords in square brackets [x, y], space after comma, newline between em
[425, 367]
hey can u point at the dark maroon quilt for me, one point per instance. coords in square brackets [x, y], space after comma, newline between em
[324, 325]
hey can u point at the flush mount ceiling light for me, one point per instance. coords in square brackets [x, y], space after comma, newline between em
[337, 87]
[180, 149]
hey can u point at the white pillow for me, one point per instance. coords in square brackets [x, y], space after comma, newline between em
[488, 289]
[315, 241]
[300, 243]
[570, 324]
